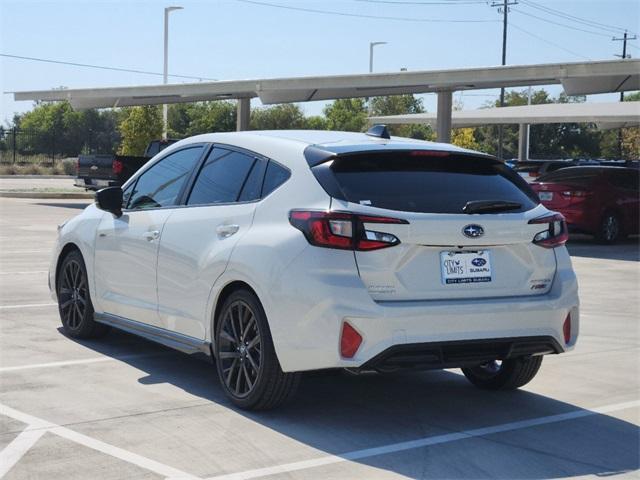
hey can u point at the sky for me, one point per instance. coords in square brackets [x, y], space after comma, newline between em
[241, 39]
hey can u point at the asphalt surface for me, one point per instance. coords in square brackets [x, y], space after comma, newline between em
[38, 183]
[125, 408]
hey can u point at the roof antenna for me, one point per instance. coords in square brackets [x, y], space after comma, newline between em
[379, 131]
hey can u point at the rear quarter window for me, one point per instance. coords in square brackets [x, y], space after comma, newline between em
[411, 182]
[574, 176]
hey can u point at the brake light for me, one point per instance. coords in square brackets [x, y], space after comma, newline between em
[343, 230]
[117, 167]
[77, 167]
[350, 341]
[428, 153]
[556, 233]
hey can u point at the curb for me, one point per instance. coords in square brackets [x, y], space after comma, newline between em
[50, 195]
[36, 177]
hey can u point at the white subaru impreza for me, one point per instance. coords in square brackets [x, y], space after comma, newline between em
[280, 252]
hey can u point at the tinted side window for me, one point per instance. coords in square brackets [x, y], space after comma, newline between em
[126, 195]
[221, 178]
[275, 176]
[161, 184]
[253, 184]
[627, 179]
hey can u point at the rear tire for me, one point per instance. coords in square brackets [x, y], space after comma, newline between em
[610, 229]
[74, 300]
[247, 364]
[507, 375]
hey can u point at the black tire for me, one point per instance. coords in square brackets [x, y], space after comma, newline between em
[247, 364]
[610, 230]
[508, 375]
[74, 300]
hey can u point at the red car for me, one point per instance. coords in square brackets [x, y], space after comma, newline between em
[601, 201]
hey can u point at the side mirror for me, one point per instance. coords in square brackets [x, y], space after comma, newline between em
[110, 200]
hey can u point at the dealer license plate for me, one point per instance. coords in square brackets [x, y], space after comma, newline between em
[465, 267]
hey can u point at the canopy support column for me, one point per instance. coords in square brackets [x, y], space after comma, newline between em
[243, 114]
[523, 142]
[443, 120]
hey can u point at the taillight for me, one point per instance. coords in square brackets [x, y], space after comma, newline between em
[77, 167]
[343, 230]
[350, 341]
[556, 233]
[117, 167]
[428, 153]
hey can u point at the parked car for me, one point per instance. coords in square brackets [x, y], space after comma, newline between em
[530, 170]
[281, 252]
[99, 171]
[601, 201]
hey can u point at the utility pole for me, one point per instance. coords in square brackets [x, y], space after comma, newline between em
[624, 56]
[165, 72]
[503, 7]
[371, 46]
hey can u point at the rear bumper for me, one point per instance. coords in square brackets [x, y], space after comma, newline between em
[460, 353]
[306, 322]
[95, 184]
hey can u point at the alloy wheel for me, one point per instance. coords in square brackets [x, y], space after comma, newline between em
[73, 295]
[240, 349]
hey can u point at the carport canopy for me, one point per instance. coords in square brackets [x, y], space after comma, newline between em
[576, 78]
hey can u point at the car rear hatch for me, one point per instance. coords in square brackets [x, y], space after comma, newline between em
[464, 226]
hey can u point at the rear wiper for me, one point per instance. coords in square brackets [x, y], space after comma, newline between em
[489, 206]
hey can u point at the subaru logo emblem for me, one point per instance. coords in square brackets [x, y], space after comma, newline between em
[473, 231]
[478, 262]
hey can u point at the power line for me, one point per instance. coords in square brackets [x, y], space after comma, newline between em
[100, 67]
[573, 18]
[548, 41]
[358, 15]
[561, 24]
[426, 4]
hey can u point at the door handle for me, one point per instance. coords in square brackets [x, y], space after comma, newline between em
[152, 235]
[225, 231]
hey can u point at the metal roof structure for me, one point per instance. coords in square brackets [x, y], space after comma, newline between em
[604, 115]
[576, 78]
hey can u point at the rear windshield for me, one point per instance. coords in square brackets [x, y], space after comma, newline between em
[410, 182]
[572, 175]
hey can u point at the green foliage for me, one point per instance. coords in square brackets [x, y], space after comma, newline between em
[316, 122]
[399, 105]
[285, 116]
[139, 126]
[465, 138]
[211, 117]
[349, 114]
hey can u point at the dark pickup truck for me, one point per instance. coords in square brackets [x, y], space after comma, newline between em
[100, 171]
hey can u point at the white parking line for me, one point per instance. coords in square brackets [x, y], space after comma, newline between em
[20, 445]
[25, 272]
[422, 442]
[80, 361]
[130, 457]
[29, 305]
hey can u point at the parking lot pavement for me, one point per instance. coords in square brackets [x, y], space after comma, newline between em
[35, 182]
[125, 408]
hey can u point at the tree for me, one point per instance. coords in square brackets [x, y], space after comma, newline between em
[347, 114]
[211, 117]
[316, 122]
[465, 138]
[400, 105]
[139, 126]
[279, 117]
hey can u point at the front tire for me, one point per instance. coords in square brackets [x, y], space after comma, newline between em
[506, 375]
[74, 300]
[610, 229]
[247, 364]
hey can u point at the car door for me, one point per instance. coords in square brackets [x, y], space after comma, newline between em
[126, 248]
[197, 240]
[627, 183]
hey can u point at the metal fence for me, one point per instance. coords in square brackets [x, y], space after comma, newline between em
[45, 147]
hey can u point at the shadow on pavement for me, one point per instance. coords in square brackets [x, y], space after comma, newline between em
[585, 246]
[80, 206]
[335, 412]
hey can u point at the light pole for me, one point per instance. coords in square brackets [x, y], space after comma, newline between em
[371, 45]
[165, 72]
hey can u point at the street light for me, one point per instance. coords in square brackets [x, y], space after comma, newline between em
[371, 45]
[165, 74]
